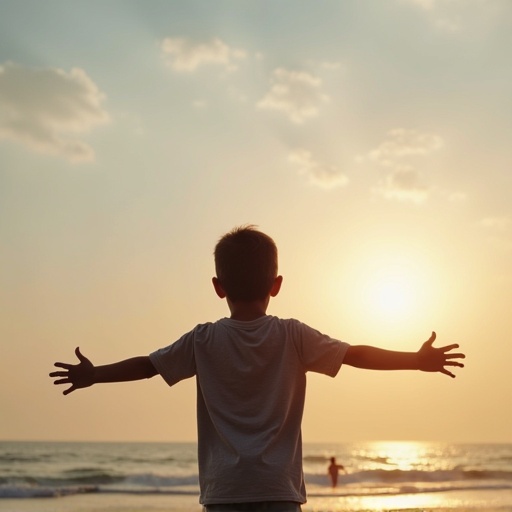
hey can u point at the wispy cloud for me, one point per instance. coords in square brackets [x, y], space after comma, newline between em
[443, 14]
[44, 108]
[319, 173]
[402, 180]
[185, 55]
[403, 183]
[296, 94]
[453, 15]
[401, 143]
[443, 19]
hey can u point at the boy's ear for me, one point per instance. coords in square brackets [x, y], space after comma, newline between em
[218, 288]
[276, 286]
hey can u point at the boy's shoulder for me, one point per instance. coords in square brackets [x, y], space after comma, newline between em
[246, 324]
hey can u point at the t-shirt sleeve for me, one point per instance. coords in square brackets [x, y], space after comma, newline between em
[320, 353]
[176, 362]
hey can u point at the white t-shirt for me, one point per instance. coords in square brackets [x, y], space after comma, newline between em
[251, 383]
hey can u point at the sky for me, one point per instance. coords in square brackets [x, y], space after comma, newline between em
[369, 138]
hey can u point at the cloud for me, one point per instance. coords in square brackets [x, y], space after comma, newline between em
[401, 143]
[296, 94]
[185, 55]
[453, 16]
[321, 174]
[403, 183]
[43, 108]
[441, 13]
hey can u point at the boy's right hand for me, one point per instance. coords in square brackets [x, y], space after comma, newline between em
[79, 375]
[431, 359]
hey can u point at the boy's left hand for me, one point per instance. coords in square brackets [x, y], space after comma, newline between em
[78, 375]
[432, 359]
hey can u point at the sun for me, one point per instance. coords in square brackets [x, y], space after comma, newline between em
[392, 293]
[393, 289]
[387, 288]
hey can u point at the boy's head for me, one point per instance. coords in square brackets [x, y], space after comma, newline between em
[246, 264]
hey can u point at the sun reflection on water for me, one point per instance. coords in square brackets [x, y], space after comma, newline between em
[404, 502]
[402, 455]
[414, 476]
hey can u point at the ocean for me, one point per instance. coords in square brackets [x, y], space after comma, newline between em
[131, 477]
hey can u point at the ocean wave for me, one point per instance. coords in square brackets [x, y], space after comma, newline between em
[40, 470]
[39, 491]
[345, 492]
[398, 476]
[359, 483]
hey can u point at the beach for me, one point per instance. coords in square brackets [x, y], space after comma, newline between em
[137, 477]
[453, 501]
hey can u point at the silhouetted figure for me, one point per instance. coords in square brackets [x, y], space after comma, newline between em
[250, 371]
[333, 471]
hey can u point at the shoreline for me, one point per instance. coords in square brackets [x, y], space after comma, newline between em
[450, 501]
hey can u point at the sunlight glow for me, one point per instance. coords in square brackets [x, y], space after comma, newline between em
[388, 288]
[392, 293]
[392, 290]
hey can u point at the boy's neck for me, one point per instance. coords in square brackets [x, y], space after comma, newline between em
[247, 311]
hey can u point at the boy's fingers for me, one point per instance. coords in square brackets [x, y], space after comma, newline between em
[66, 366]
[58, 374]
[69, 390]
[455, 356]
[79, 354]
[431, 340]
[61, 381]
[447, 348]
[446, 372]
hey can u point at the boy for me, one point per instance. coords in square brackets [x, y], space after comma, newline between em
[250, 371]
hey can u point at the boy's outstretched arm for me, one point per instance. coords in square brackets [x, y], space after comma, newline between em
[427, 359]
[85, 374]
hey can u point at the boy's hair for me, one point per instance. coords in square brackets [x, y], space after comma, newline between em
[246, 264]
